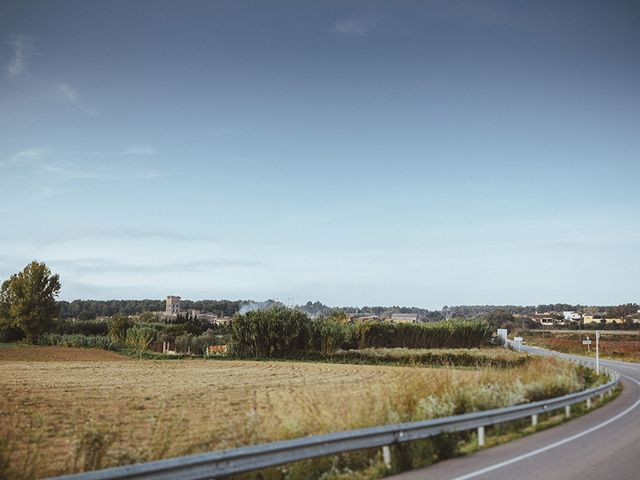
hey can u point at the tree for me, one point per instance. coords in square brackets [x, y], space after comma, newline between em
[500, 319]
[28, 300]
[118, 327]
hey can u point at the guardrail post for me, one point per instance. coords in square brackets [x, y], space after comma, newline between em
[567, 411]
[386, 456]
[534, 419]
[602, 397]
[481, 436]
[588, 403]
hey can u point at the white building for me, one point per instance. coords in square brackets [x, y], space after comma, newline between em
[571, 316]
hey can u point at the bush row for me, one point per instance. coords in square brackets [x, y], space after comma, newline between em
[459, 333]
[77, 340]
[280, 332]
[499, 358]
[134, 338]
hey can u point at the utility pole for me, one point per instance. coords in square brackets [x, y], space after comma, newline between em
[598, 352]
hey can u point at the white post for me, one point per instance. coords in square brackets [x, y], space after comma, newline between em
[386, 456]
[534, 420]
[589, 403]
[602, 397]
[598, 352]
[567, 411]
[481, 436]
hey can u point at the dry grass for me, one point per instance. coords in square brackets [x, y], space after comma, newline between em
[79, 413]
[614, 346]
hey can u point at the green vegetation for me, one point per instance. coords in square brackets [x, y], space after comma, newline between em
[90, 309]
[27, 300]
[280, 332]
[269, 333]
[78, 340]
[456, 333]
[467, 357]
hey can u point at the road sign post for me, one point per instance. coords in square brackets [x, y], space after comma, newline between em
[598, 352]
[502, 333]
[518, 341]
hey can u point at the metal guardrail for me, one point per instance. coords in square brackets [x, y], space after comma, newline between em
[245, 459]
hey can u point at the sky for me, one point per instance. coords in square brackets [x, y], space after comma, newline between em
[358, 153]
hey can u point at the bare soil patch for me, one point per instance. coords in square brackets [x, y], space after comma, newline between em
[31, 353]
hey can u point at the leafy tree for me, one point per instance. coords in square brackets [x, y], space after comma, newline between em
[28, 300]
[118, 327]
[622, 311]
[500, 319]
[139, 338]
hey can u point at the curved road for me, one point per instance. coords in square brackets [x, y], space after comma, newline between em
[603, 444]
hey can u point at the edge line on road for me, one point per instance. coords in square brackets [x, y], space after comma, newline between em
[555, 444]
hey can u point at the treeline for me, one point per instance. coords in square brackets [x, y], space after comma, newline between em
[280, 332]
[175, 327]
[470, 311]
[91, 309]
[386, 312]
[482, 310]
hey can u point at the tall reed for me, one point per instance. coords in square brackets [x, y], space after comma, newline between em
[280, 331]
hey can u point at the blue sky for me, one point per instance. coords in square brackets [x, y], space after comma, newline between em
[411, 153]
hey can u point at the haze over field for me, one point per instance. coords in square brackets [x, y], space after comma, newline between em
[426, 153]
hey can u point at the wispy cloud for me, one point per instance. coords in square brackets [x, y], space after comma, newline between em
[22, 49]
[70, 95]
[23, 157]
[140, 150]
[36, 159]
[57, 165]
[70, 172]
[356, 27]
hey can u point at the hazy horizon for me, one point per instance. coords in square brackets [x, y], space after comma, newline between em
[359, 153]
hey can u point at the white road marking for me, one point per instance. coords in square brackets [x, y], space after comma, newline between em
[553, 445]
[629, 365]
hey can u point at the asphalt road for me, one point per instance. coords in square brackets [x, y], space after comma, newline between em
[603, 444]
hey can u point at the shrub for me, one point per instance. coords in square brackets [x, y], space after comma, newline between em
[118, 327]
[84, 327]
[11, 334]
[461, 357]
[269, 333]
[327, 335]
[458, 333]
[139, 338]
[280, 331]
[78, 340]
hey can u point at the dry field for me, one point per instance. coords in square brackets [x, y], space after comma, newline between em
[615, 345]
[85, 408]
